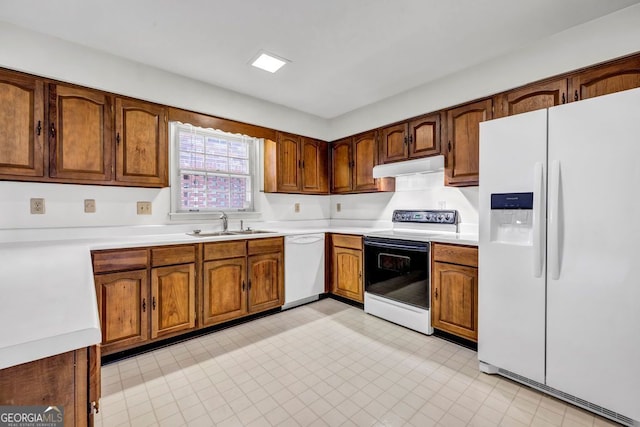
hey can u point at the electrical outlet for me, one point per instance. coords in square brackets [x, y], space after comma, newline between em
[144, 208]
[338, 207]
[37, 206]
[89, 206]
[296, 207]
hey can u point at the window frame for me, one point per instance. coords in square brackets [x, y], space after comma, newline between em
[176, 213]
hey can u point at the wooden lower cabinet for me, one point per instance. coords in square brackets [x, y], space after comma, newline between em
[122, 305]
[173, 299]
[241, 277]
[224, 290]
[454, 290]
[346, 266]
[70, 380]
[265, 272]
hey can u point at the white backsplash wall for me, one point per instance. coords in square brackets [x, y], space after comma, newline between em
[117, 206]
[425, 191]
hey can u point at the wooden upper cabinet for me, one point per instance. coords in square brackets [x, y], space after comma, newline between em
[365, 157]
[295, 164]
[417, 138]
[463, 142]
[394, 143]
[141, 143]
[288, 162]
[80, 134]
[315, 173]
[341, 177]
[22, 125]
[424, 136]
[530, 98]
[603, 80]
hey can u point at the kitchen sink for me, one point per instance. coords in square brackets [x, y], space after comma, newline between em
[242, 232]
[197, 233]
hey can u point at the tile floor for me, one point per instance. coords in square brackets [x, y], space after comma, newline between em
[323, 364]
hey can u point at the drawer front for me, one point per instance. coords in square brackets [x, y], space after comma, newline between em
[455, 254]
[119, 260]
[347, 241]
[172, 255]
[268, 245]
[224, 250]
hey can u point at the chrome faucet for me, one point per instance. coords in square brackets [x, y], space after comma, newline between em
[225, 221]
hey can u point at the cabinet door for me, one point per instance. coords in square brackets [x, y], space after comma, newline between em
[394, 143]
[530, 98]
[23, 126]
[80, 134]
[142, 145]
[266, 282]
[463, 142]
[347, 273]
[224, 290]
[341, 176]
[365, 157]
[289, 162]
[616, 77]
[122, 305]
[173, 299]
[424, 136]
[454, 297]
[315, 173]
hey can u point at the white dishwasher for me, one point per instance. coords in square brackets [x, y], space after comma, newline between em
[303, 268]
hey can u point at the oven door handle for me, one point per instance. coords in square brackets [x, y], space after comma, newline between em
[404, 247]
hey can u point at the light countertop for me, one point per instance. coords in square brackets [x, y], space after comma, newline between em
[49, 302]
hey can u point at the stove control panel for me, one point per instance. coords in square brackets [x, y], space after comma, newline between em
[426, 216]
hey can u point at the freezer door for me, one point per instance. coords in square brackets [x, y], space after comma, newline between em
[511, 284]
[593, 314]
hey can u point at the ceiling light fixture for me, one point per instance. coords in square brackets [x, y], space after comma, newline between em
[269, 62]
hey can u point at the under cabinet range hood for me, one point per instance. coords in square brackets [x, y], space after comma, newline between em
[410, 167]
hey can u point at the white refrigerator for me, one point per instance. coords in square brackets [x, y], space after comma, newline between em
[559, 252]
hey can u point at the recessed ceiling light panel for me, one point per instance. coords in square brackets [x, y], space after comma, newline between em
[269, 62]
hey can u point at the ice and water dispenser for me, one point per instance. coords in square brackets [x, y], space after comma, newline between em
[512, 218]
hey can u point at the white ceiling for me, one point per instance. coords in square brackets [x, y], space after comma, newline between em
[345, 53]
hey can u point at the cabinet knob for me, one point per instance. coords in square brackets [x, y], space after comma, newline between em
[153, 303]
[436, 293]
[144, 305]
[406, 140]
[249, 284]
[118, 138]
[410, 139]
[243, 286]
[449, 147]
[576, 97]
[52, 130]
[39, 128]
[564, 98]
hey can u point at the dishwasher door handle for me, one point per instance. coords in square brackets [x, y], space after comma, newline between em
[304, 240]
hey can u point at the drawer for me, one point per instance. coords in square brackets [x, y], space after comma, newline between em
[455, 254]
[222, 250]
[347, 241]
[263, 246]
[119, 260]
[171, 255]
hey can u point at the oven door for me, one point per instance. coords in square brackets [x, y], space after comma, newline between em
[397, 270]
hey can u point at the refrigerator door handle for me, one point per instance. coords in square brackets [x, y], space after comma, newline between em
[538, 196]
[554, 220]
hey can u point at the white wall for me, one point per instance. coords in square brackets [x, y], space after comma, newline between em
[412, 192]
[609, 37]
[43, 55]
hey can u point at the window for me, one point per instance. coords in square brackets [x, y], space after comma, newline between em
[212, 170]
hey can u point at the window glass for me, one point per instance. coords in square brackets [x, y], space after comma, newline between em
[213, 170]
